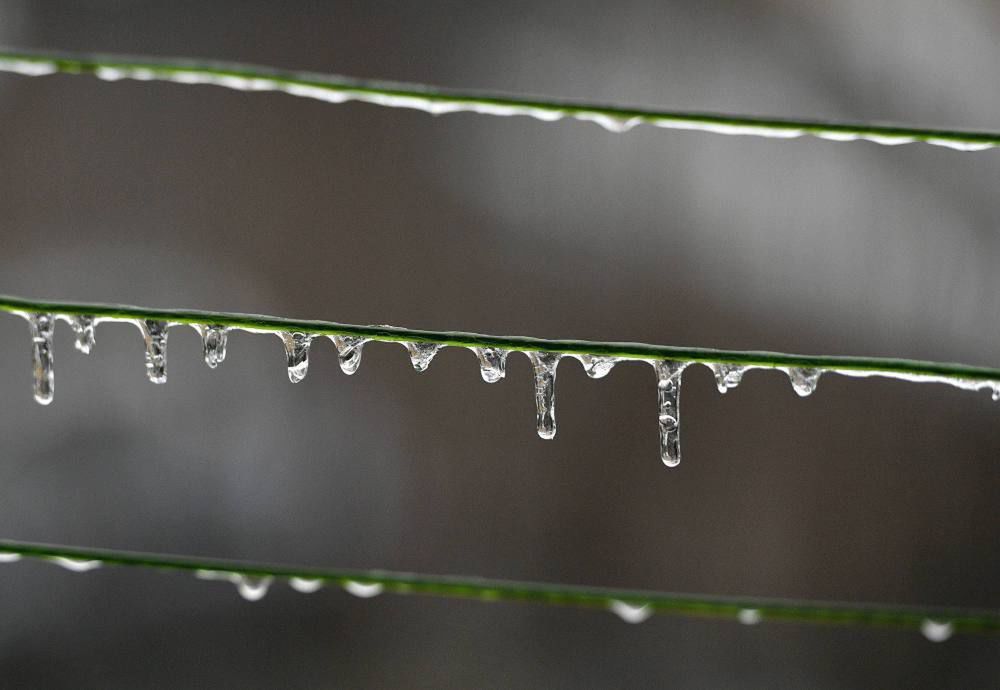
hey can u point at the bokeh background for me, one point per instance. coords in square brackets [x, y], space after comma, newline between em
[178, 196]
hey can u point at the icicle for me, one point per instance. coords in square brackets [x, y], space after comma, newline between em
[77, 565]
[9, 557]
[250, 587]
[936, 631]
[42, 326]
[297, 354]
[213, 342]
[668, 384]
[804, 380]
[631, 613]
[349, 351]
[421, 354]
[83, 328]
[544, 364]
[597, 366]
[492, 363]
[305, 585]
[727, 375]
[749, 616]
[365, 590]
[155, 335]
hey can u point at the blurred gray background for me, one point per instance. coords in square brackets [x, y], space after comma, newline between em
[177, 196]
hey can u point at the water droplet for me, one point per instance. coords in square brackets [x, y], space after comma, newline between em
[996, 392]
[804, 380]
[631, 613]
[365, 590]
[42, 326]
[349, 351]
[213, 342]
[83, 328]
[305, 585]
[155, 335]
[597, 366]
[668, 389]
[77, 565]
[297, 353]
[727, 375]
[544, 365]
[749, 616]
[250, 587]
[492, 363]
[936, 631]
[8, 557]
[421, 354]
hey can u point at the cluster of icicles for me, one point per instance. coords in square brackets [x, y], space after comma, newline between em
[256, 587]
[340, 90]
[492, 363]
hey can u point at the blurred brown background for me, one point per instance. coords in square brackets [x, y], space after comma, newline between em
[179, 196]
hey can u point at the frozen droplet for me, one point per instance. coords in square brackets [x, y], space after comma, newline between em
[365, 590]
[727, 375]
[349, 351]
[83, 329]
[631, 613]
[304, 584]
[42, 327]
[749, 616]
[77, 565]
[804, 380]
[544, 365]
[597, 366]
[252, 588]
[297, 354]
[421, 354]
[492, 363]
[937, 631]
[668, 389]
[155, 335]
[213, 342]
[9, 557]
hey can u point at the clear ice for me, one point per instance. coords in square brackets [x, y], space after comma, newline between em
[213, 343]
[42, 327]
[421, 354]
[727, 375]
[365, 590]
[83, 329]
[597, 366]
[804, 380]
[155, 335]
[668, 391]
[544, 365]
[492, 363]
[297, 354]
[349, 351]
[937, 631]
[631, 613]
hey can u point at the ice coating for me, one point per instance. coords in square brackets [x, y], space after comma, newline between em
[42, 327]
[492, 363]
[937, 631]
[544, 365]
[305, 585]
[365, 590]
[154, 333]
[213, 343]
[348, 351]
[727, 375]
[331, 89]
[631, 613]
[668, 392]
[83, 329]
[250, 587]
[804, 380]
[421, 354]
[296, 354]
[597, 366]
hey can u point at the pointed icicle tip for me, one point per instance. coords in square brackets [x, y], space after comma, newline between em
[421, 354]
[727, 375]
[544, 365]
[154, 333]
[83, 329]
[668, 392]
[804, 380]
[597, 366]
[349, 351]
[492, 363]
[42, 327]
[296, 354]
[213, 343]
